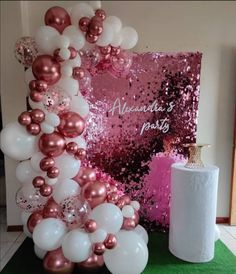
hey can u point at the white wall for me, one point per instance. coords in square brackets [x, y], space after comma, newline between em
[208, 27]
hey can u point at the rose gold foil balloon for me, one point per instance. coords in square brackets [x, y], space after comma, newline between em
[51, 209]
[95, 26]
[47, 69]
[135, 217]
[33, 129]
[36, 96]
[71, 148]
[33, 220]
[45, 190]
[84, 23]
[71, 125]
[73, 52]
[92, 264]
[80, 154]
[53, 172]
[46, 163]
[24, 118]
[38, 181]
[110, 241]
[99, 249]
[128, 224]
[94, 192]
[52, 145]
[115, 51]
[91, 38]
[37, 116]
[101, 14]
[105, 50]
[54, 262]
[39, 85]
[112, 198]
[90, 226]
[58, 18]
[78, 73]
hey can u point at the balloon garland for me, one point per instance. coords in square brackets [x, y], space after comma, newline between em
[76, 215]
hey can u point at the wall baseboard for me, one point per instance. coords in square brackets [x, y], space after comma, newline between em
[11, 228]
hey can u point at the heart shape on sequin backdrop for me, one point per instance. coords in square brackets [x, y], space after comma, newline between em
[138, 123]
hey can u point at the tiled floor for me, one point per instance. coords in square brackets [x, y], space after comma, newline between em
[11, 241]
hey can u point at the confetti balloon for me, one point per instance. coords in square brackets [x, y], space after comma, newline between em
[26, 51]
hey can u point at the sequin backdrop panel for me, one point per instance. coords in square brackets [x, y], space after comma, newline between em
[133, 119]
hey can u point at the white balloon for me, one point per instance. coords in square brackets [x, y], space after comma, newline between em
[17, 143]
[52, 119]
[107, 35]
[64, 53]
[76, 62]
[95, 4]
[25, 173]
[80, 10]
[65, 189]
[129, 37]
[76, 37]
[79, 105]
[35, 161]
[26, 231]
[98, 236]
[66, 70]
[79, 141]
[29, 76]
[76, 246]
[46, 128]
[24, 217]
[51, 181]
[40, 253]
[141, 231]
[45, 39]
[129, 256]
[71, 86]
[38, 105]
[128, 211]
[115, 22]
[117, 40]
[61, 41]
[68, 166]
[108, 217]
[217, 233]
[135, 205]
[48, 234]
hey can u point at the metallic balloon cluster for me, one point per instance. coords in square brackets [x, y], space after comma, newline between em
[76, 214]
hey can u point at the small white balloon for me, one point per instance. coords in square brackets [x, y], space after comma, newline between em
[115, 22]
[129, 256]
[79, 141]
[64, 53]
[76, 246]
[35, 105]
[95, 4]
[107, 35]
[17, 143]
[46, 128]
[66, 70]
[61, 41]
[135, 205]
[71, 86]
[65, 189]
[117, 40]
[40, 253]
[51, 181]
[26, 231]
[141, 231]
[80, 10]
[52, 119]
[25, 173]
[128, 211]
[48, 234]
[79, 105]
[108, 217]
[76, 62]
[68, 166]
[24, 217]
[98, 236]
[35, 161]
[45, 39]
[129, 37]
[76, 36]
[217, 233]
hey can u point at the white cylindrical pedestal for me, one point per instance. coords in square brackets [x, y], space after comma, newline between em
[193, 212]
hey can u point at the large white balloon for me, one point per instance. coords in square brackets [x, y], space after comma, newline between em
[17, 143]
[46, 128]
[95, 4]
[76, 37]
[108, 217]
[68, 166]
[117, 39]
[71, 86]
[79, 105]
[48, 234]
[141, 231]
[76, 246]
[61, 41]
[40, 253]
[129, 256]
[35, 161]
[80, 10]
[107, 35]
[129, 37]
[45, 39]
[25, 173]
[65, 189]
[115, 22]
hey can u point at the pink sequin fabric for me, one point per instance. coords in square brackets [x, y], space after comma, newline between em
[138, 123]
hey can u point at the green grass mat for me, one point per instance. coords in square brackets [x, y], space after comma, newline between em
[160, 260]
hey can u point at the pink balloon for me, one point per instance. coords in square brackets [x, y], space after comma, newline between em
[36, 96]
[71, 125]
[33, 129]
[45, 190]
[39, 85]
[51, 209]
[110, 241]
[85, 175]
[57, 18]
[37, 116]
[80, 154]
[38, 181]
[55, 262]
[33, 220]
[71, 148]
[95, 26]
[101, 14]
[121, 63]
[46, 163]
[78, 73]
[84, 24]
[99, 249]
[93, 263]
[52, 145]
[128, 224]
[47, 69]
[90, 226]
[91, 38]
[53, 172]
[24, 119]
